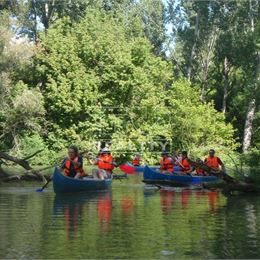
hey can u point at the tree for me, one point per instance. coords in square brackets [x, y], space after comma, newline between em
[21, 107]
[102, 83]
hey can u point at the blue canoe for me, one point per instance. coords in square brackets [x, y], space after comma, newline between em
[155, 177]
[142, 167]
[63, 184]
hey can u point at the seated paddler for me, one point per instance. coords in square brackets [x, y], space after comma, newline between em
[214, 162]
[166, 163]
[105, 164]
[137, 160]
[72, 166]
[184, 163]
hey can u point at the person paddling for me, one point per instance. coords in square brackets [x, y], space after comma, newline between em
[184, 164]
[72, 166]
[167, 163]
[137, 160]
[214, 162]
[105, 164]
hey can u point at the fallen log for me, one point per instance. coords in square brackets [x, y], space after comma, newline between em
[230, 184]
[22, 162]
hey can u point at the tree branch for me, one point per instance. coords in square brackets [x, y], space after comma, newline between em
[32, 155]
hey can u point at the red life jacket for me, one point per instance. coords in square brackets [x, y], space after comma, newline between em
[167, 164]
[136, 161]
[105, 162]
[213, 162]
[78, 169]
[185, 164]
[199, 171]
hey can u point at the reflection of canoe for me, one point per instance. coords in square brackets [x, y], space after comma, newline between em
[63, 184]
[142, 167]
[152, 176]
[70, 207]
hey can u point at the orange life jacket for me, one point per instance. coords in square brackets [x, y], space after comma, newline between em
[136, 161]
[78, 169]
[185, 164]
[212, 162]
[167, 164]
[105, 162]
[199, 171]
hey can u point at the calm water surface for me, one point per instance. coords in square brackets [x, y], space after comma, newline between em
[130, 221]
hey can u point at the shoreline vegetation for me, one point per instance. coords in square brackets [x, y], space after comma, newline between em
[229, 184]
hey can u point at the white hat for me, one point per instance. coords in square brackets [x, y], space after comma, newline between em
[105, 150]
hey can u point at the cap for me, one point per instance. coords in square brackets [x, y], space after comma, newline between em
[105, 150]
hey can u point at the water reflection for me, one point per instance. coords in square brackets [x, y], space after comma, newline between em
[104, 208]
[131, 221]
[185, 194]
[213, 199]
[166, 199]
[127, 206]
[72, 206]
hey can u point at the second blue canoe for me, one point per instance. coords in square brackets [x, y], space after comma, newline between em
[142, 167]
[155, 177]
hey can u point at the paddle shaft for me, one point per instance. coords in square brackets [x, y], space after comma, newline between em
[176, 158]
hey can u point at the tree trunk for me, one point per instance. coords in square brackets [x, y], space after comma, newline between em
[225, 79]
[47, 14]
[193, 49]
[22, 162]
[248, 129]
[251, 112]
[34, 20]
[206, 62]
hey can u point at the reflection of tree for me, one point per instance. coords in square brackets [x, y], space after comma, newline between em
[239, 235]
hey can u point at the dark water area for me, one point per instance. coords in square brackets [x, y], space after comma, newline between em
[129, 221]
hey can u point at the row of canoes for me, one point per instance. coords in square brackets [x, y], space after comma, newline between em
[151, 175]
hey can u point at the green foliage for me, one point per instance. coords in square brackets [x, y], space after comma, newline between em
[194, 124]
[98, 74]
[99, 84]
[32, 143]
[21, 110]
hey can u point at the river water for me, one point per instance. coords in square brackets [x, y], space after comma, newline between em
[130, 221]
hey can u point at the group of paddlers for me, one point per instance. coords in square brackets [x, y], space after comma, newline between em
[168, 162]
[72, 166]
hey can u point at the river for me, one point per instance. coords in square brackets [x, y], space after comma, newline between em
[130, 221]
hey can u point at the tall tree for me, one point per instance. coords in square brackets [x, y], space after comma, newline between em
[251, 112]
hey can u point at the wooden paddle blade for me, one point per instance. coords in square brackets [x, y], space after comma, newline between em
[126, 168]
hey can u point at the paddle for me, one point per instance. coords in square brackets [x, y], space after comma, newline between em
[178, 161]
[44, 186]
[126, 168]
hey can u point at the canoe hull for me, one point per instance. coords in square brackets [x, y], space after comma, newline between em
[142, 168]
[155, 177]
[63, 184]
